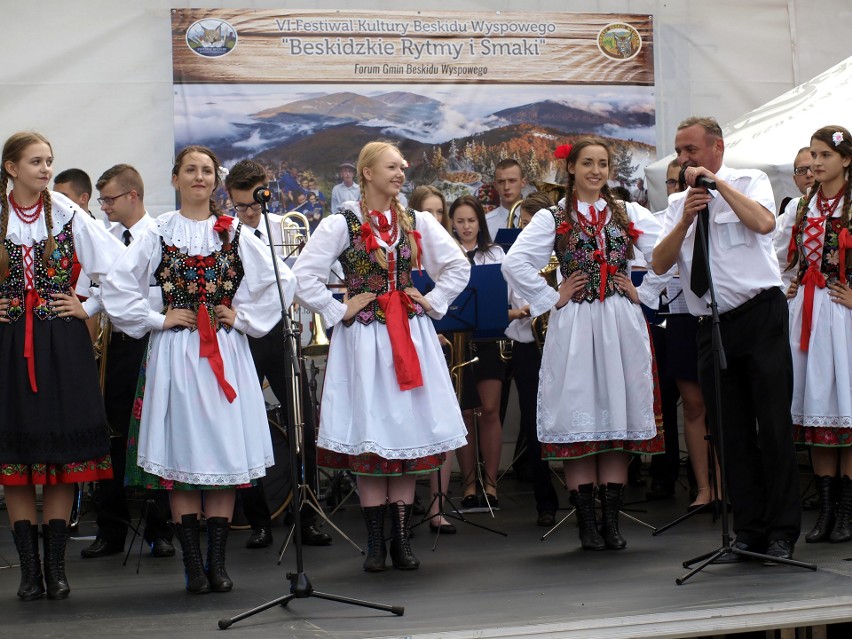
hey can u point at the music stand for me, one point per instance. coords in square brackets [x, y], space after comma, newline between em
[480, 309]
[300, 585]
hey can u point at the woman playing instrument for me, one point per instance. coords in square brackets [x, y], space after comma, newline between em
[596, 391]
[820, 329]
[53, 429]
[471, 230]
[388, 408]
[200, 414]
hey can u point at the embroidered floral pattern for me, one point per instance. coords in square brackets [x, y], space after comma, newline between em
[829, 436]
[54, 277]
[190, 281]
[364, 275]
[830, 266]
[371, 464]
[577, 253]
[51, 474]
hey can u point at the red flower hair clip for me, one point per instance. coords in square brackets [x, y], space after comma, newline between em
[223, 223]
[562, 151]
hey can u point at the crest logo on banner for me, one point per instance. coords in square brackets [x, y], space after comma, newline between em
[211, 38]
[619, 41]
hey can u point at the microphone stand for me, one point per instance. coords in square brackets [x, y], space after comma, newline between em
[720, 364]
[300, 585]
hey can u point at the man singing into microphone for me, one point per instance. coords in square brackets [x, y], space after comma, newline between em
[756, 387]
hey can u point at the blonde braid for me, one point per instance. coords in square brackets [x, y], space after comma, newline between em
[50, 245]
[224, 236]
[378, 253]
[4, 224]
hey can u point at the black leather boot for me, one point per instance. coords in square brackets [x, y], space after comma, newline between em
[843, 523]
[217, 539]
[25, 535]
[825, 519]
[583, 500]
[374, 517]
[400, 548]
[188, 532]
[55, 540]
[611, 498]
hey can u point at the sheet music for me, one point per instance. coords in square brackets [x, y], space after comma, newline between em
[677, 301]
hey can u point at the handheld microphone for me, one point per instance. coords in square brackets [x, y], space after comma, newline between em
[701, 181]
[262, 194]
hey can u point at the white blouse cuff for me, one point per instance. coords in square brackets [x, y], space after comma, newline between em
[439, 303]
[156, 321]
[543, 302]
[333, 312]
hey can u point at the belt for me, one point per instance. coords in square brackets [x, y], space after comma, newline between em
[743, 308]
[124, 337]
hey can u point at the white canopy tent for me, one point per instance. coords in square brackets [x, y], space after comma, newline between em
[768, 137]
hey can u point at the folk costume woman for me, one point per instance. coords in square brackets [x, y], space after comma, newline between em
[200, 414]
[53, 428]
[821, 329]
[389, 410]
[596, 398]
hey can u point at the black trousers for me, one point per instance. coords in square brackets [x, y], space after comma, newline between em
[665, 468]
[756, 392]
[124, 359]
[526, 362]
[270, 362]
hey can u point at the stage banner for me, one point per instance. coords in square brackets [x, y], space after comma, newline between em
[302, 91]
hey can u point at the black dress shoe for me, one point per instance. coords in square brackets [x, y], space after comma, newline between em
[162, 547]
[101, 548]
[487, 500]
[780, 548]
[313, 536]
[732, 557]
[546, 519]
[444, 529]
[470, 501]
[260, 538]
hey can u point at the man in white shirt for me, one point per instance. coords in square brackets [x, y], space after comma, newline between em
[347, 190]
[270, 361]
[121, 198]
[509, 180]
[76, 185]
[756, 387]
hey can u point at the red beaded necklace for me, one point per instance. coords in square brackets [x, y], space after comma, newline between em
[590, 227]
[828, 205]
[382, 225]
[27, 214]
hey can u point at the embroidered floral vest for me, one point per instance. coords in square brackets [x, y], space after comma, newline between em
[830, 266]
[363, 274]
[54, 277]
[579, 254]
[189, 281]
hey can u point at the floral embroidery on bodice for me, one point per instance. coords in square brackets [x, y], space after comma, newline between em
[363, 274]
[579, 254]
[809, 248]
[190, 281]
[47, 279]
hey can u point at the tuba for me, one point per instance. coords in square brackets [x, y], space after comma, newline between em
[539, 324]
[458, 351]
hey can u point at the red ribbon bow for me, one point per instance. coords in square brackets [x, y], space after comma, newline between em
[633, 233]
[370, 241]
[791, 247]
[812, 279]
[563, 228]
[606, 270]
[844, 243]
[223, 223]
[381, 221]
[562, 152]
[209, 348]
[396, 305]
[417, 237]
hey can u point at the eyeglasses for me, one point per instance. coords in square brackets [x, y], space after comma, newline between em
[671, 182]
[801, 170]
[109, 201]
[242, 208]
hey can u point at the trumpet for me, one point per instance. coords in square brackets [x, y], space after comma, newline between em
[553, 190]
[539, 324]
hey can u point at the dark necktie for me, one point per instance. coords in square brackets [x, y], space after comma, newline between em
[699, 279]
[470, 256]
[258, 234]
[128, 238]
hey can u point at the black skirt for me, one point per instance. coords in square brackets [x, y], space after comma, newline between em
[681, 348]
[64, 421]
[489, 366]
